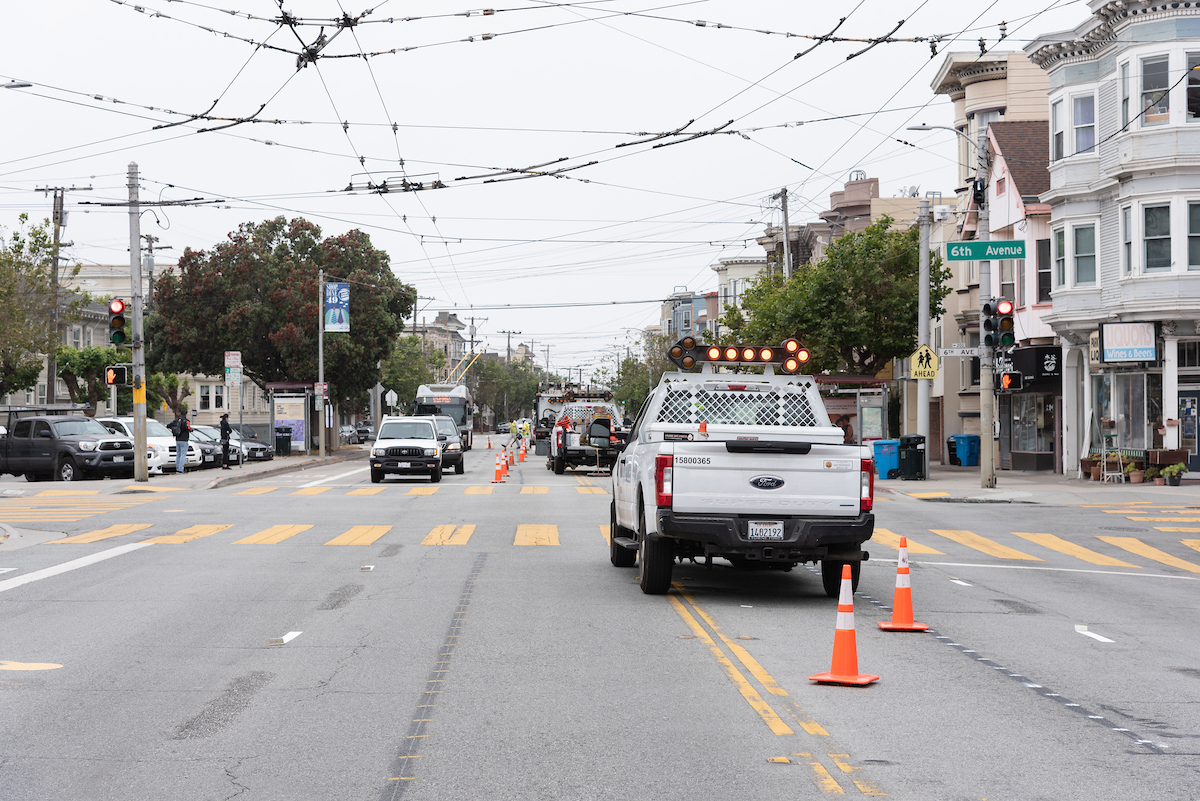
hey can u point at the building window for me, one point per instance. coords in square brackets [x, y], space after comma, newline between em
[1044, 282]
[1060, 258]
[1020, 267]
[973, 362]
[1084, 120]
[204, 397]
[1126, 240]
[76, 337]
[1124, 96]
[1001, 186]
[1085, 254]
[1007, 280]
[1056, 131]
[1193, 87]
[1194, 236]
[41, 395]
[1156, 101]
[218, 397]
[1157, 235]
[87, 336]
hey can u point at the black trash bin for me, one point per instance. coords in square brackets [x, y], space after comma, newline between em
[952, 451]
[283, 440]
[912, 457]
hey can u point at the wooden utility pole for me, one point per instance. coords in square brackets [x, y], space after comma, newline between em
[59, 220]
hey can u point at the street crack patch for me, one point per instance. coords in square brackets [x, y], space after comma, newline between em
[340, 597]
[224, 709]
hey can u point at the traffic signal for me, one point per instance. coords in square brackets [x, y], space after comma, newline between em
[116, 376]
[998, 324]
[117, 328]
[1012, 382]
[789, 357]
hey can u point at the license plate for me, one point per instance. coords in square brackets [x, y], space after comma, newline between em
[403, 464]
[118, 458]
[208, 458]
[764, 530]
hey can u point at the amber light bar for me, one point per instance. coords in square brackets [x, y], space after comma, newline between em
[791, 356]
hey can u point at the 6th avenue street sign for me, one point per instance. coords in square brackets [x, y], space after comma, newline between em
[982, 251]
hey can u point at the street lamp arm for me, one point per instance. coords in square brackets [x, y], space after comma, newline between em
[943, 128]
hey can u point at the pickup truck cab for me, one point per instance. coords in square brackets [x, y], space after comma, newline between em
[408, 446]
[743, 467]
[65, 448]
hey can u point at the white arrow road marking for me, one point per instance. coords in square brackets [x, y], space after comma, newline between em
[285, 639]
[1084, 631]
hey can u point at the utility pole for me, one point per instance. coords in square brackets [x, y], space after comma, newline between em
[321, 364]
[924, 385]
[59, 220]
[141, 470]
[787, 247]
[508, 353]
[547, 349]
[151, 239]
[987, 392]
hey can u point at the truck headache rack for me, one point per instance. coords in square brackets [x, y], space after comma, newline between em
[781, 406]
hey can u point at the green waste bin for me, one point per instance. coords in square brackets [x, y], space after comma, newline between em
[912, 458]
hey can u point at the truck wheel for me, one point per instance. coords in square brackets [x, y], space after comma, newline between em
[376, 476]
[67, 471]
[560, 465]
[436, 475]
[618, 555]
[831, 576]
[658, 559]
[459, 469]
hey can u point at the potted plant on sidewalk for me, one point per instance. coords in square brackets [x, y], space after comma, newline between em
[1173, 473]
[1134, 473]
[1154, 472]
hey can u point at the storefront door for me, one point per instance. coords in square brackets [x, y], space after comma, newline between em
[1189, 408]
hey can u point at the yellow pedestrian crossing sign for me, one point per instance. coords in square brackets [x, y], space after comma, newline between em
[923, 363]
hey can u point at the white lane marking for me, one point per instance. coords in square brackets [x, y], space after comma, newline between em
[285, 639]
[961, 583]
[74, 564]
[1060, 570]
[1084, 631]
[8, 569]
[330, 479]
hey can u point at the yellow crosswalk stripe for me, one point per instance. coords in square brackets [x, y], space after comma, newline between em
[102, 534]
[189, 534]
[1193, 544]
[1134, 545]
[1166, 519]
[534, 490]
[63, 493]
[532, 534]
[448, 535]
[928, 494]
[256, 491]
[1180, 529]
[272, 536]
[477, 491]
[891, 540]
[63, 509]
[360, 535]
[311, 490]
[990, 547]
[366, 491]
[1071, 549]
[604, 532]
[423, 490]
[591, 490]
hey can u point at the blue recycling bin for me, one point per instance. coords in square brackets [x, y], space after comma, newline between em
[966, 448]
[887, 458]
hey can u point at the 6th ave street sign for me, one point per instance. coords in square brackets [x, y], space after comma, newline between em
[983, 251]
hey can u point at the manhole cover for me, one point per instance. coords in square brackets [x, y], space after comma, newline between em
[1121, 528]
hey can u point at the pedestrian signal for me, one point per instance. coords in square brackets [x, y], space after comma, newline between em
[117, 329]
[116, 376]
[790, 357]
[1012, 382]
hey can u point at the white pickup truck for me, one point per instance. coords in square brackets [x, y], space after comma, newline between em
[743, 467]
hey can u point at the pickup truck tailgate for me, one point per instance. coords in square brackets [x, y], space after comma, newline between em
[823, 482]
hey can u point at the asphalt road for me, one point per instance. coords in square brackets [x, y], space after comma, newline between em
[475, 643]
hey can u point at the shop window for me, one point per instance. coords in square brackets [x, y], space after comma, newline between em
[1156, 232]
[205, 397]
[1044, 282]
[1194, 236]
[1060, 258]
[1189, 354]
[1085, 254]
[1124, 96]
[1126, 240]
[1193, 87]
[1007, 280]
[1156, 100]
[1084, 120]
[1056, 131]
[1033, 423]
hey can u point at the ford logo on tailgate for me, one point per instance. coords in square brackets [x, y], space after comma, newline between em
[766, 482]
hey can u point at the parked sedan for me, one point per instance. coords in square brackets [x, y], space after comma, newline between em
[252, 450]
[349, 435]
[210, 450]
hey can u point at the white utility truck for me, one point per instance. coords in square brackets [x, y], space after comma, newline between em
[740, 466]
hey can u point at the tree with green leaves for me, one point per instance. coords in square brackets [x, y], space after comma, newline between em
[257, 293]
[170, 389]
[855, 310]
[27, 331]
[410, 366]
[82, 370]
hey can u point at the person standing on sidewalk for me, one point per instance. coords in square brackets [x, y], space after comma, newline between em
[226, 430]
[182, 430]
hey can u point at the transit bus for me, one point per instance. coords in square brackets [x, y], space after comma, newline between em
[452, 400]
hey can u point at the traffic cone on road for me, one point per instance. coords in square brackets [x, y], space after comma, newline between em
[902, 613]
[499, 476]
[489, 447]
[521, 457]
[512, 459]
[844, 667]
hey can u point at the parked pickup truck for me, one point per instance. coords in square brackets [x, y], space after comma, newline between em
[65, 448]
[743, 467]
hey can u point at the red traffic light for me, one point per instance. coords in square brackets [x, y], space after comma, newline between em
[116, 306]
[1004, 307]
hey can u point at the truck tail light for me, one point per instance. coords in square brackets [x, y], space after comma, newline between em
[664, 471]
[866, 497]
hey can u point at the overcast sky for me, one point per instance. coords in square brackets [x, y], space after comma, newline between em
[555, 87]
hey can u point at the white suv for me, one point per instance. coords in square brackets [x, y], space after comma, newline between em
[408, 446]
[159, 441]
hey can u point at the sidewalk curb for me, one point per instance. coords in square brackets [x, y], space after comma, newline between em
[229, 481]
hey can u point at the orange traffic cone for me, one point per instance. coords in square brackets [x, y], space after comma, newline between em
[902, 614]
[844, 668]
[521, 456]
[489, 447]
[512, 459]
[503, 466]
[499, 476]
